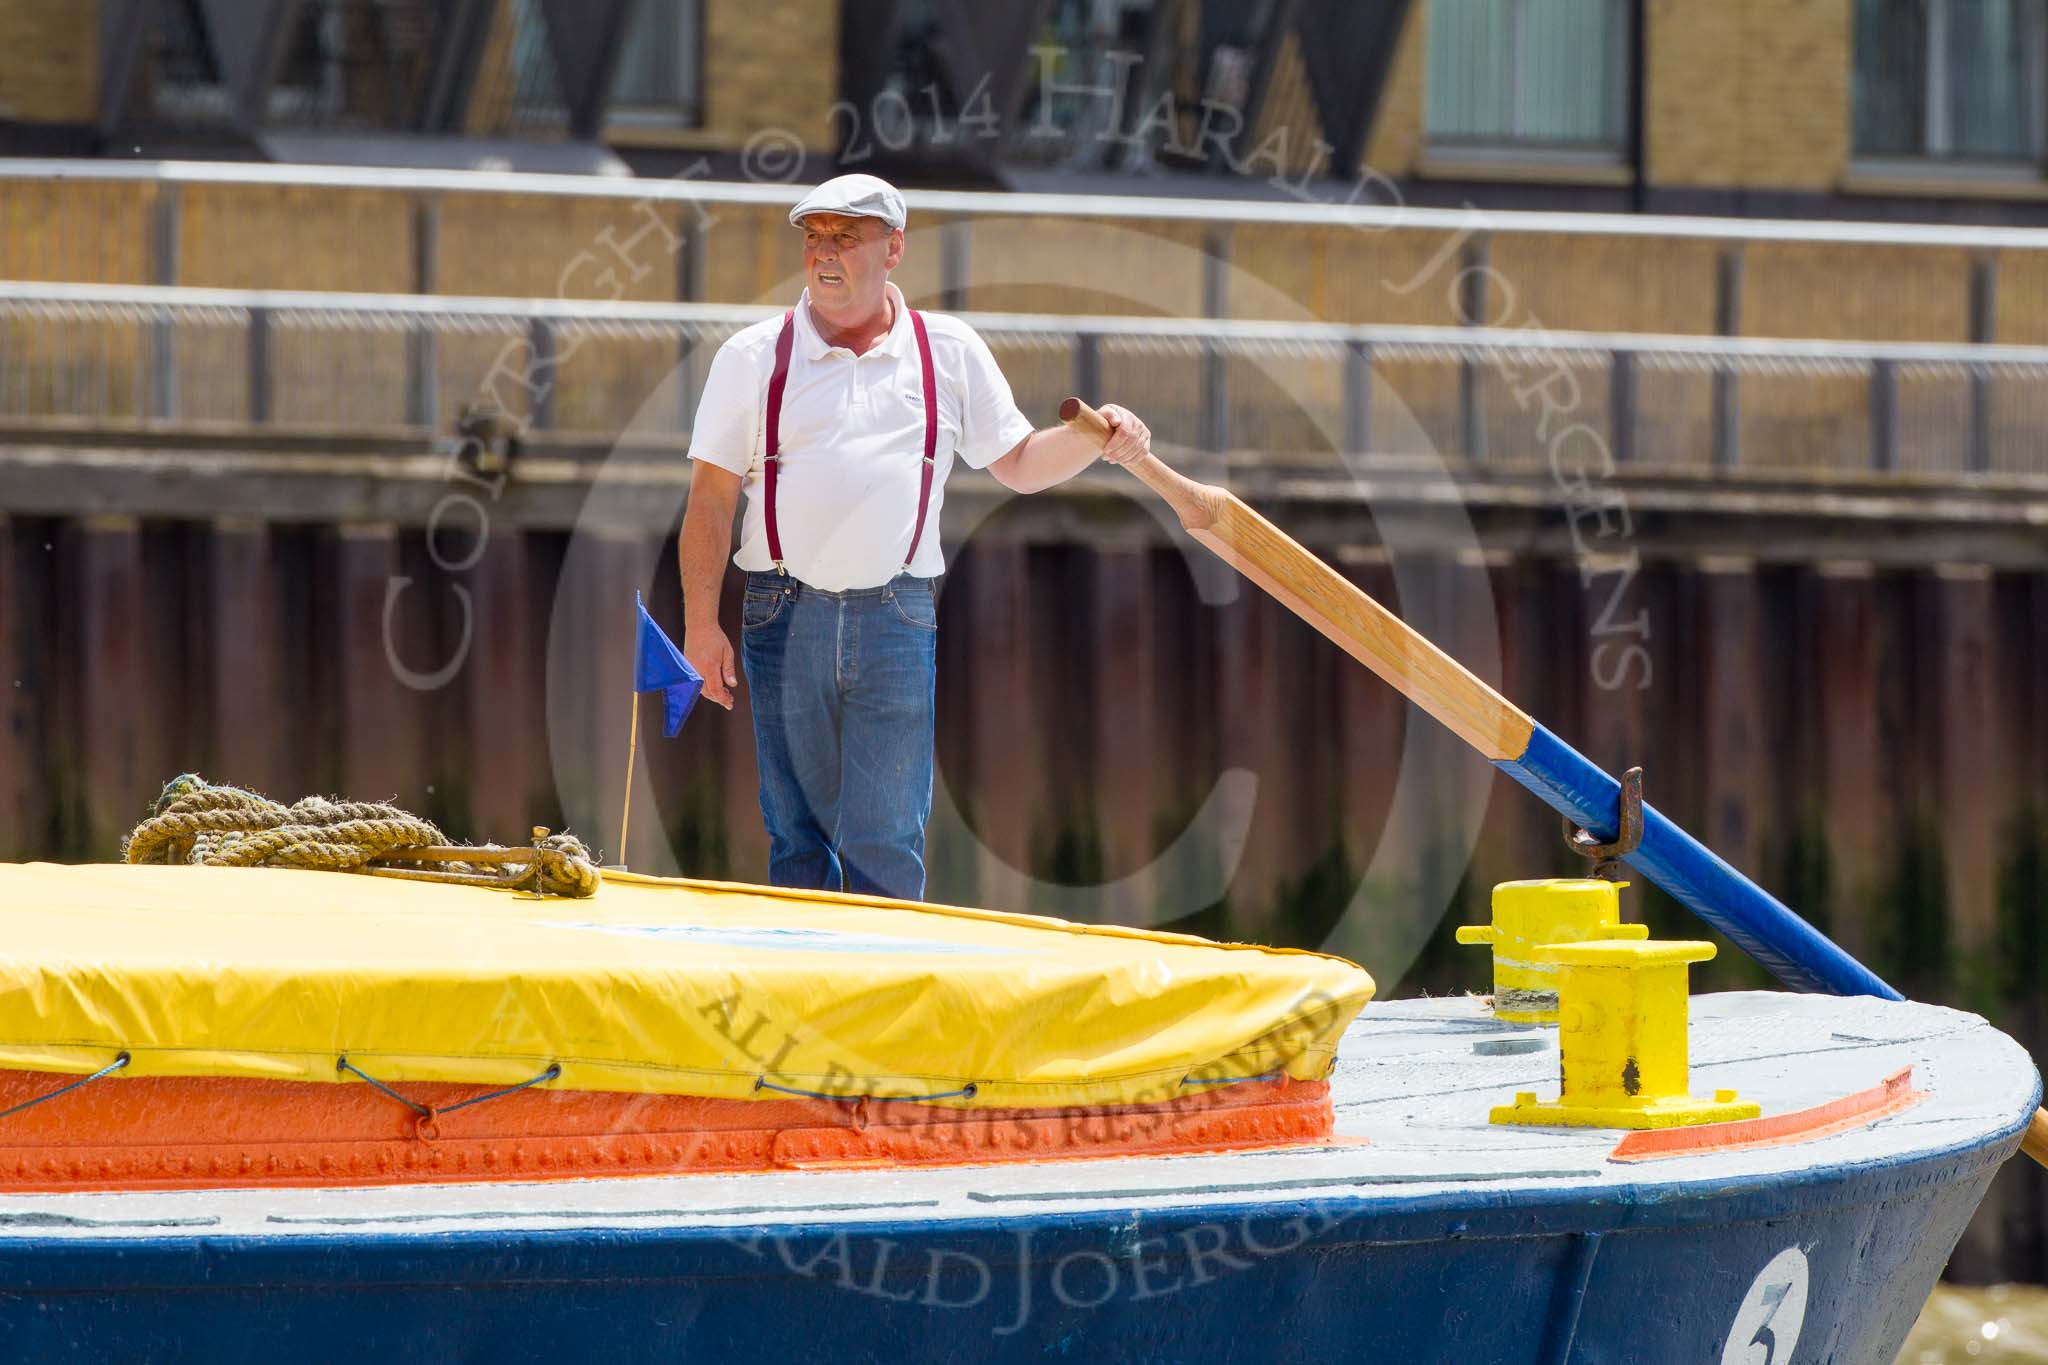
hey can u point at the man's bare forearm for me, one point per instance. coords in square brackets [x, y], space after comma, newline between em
[704, 548]
[1048, 456]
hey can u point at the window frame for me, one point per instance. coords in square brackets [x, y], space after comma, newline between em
[1936, 152]
[677, 115]
[1519, 146]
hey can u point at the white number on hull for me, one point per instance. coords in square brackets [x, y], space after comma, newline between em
[1766, 1329]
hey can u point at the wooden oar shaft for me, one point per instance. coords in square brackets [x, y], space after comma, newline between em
[1333, 604]
[1792, 949]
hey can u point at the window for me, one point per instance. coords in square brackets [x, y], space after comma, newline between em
[349, 64]
[1950, 79]
[536, 105]
[188, 88]
[1540, 74]
[1101, 66]
[657, 77]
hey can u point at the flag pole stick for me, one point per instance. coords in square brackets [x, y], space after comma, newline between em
[626, 806]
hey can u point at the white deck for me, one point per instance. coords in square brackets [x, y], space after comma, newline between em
[1409, 1080]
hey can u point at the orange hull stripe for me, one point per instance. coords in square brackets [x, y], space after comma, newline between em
[210, 1132]
[1894, 1095]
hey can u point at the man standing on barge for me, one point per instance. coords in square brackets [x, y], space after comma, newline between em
[840, 420]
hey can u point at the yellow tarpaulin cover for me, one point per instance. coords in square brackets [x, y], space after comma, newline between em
[654, 985]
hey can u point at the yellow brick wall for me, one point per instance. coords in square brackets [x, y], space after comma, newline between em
[1343, 274]
[1797, 56]
[49, 60]
[524, 246]
[1029, 265]
[1396, 142]
[1634, 284]
[292, 237]
[773, 65]
[2022, 314]
[1856, 293]
[1693, 54]
[1749, 92]
[80, 231]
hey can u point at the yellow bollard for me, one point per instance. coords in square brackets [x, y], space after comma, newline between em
[1622, 1009]
[1527, 915]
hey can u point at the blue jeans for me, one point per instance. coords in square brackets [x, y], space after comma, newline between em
[842, 685]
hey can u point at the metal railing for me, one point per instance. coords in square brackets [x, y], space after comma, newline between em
[442, 231]
[355, 362]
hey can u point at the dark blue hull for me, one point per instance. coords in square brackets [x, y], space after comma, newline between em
[1639, 1272]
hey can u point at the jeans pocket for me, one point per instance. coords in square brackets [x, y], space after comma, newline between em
[916, 607]
[760, 608]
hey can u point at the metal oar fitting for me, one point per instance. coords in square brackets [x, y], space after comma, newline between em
[1628, 830]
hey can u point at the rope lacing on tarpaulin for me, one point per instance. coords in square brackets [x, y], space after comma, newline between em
[198, 822]
[426, 1115]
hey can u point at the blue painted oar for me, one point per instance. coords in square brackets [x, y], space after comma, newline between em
[1795, 952]
[1762, 926]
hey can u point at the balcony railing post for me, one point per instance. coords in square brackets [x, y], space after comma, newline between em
[692, 225]
[1727, 419]
[1474, 305]
[1088, 365]
[1983, 330]
[1977, 458]
[422, 369]
[1621, 405]
[540, 373]
[1215, 365]
[163, 349]
[1884, 417]
[956, 256]
[260, 407]
[1357, 398]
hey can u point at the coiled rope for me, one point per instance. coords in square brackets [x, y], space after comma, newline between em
[197, 822]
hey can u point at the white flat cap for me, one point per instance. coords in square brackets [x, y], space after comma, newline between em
[856, 196]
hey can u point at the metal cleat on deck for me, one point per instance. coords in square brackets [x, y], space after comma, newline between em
[1527, 915]
[1622, 1010]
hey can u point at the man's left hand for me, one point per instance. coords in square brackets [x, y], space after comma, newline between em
[1129, 438]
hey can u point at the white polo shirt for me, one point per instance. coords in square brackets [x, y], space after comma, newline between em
[852, 442]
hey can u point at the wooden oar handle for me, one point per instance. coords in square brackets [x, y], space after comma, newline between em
[1328, 601]
[1196, 504]
[2035, 1143]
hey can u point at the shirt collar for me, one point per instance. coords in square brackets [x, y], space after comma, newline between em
[815, 346]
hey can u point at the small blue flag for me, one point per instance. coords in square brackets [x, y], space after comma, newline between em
[659, 666]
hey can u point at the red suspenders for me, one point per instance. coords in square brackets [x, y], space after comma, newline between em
[780, 379]
[931, 432]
